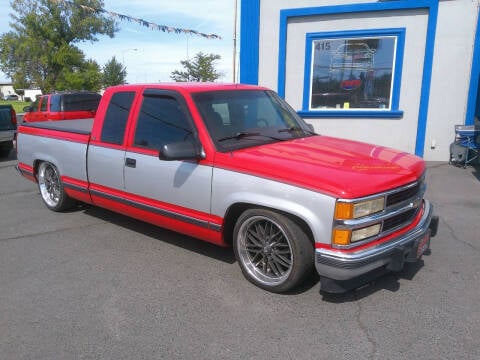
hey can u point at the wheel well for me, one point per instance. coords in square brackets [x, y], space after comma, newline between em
[237, 209]
[36, 164]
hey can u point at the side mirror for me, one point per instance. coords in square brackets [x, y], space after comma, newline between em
[27, 109]
[310, 126]
[183, 150]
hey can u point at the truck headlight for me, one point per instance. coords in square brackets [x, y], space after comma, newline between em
[354, 210]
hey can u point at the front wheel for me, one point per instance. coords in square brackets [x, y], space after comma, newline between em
[51, 188]
[272, 250]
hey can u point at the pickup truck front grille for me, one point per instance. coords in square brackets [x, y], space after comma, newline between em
[402, 195]
[398, 220]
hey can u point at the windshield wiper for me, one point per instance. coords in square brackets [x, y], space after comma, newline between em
[244, 134]
[239, 135]
[296, 129]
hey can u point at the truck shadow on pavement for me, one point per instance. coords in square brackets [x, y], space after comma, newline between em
[385, 281]
[161, 234]
[183, 241]
[476, 172]
[389, 281]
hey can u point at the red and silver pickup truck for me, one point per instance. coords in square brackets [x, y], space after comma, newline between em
[234, 165]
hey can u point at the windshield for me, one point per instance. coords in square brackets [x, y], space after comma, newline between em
[242, 118]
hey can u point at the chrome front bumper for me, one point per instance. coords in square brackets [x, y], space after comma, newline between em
[339, 265]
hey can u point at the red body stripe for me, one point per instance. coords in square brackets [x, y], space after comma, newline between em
[27, 171]
[25, 167]
[144, 209]
[77, 189]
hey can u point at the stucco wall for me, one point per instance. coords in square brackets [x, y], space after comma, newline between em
[450, 74]
[448, 93]
[269, 34]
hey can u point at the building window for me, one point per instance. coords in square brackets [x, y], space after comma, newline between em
[353, 73]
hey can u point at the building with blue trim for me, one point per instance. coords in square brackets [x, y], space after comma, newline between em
[398, 73]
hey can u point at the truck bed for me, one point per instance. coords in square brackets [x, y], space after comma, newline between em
[66, 146]
[78, 126]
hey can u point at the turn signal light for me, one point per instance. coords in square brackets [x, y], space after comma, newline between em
[343, 210]
[341, 237]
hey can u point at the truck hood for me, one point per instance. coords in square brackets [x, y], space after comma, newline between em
[341, 168]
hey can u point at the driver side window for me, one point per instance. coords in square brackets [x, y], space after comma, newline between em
[160, 121]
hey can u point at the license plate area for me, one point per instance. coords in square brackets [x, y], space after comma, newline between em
[419, 247]
[422, 245]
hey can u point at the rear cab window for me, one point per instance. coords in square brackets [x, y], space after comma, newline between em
[116, 117]
[80, 102]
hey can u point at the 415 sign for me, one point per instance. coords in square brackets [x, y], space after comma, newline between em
[322, 45]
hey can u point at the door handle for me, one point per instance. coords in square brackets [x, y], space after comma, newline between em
[130, 162]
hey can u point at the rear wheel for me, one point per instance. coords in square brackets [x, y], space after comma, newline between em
[51, 188]
[272, 250]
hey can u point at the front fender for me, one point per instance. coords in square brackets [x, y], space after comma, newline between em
[315, 209]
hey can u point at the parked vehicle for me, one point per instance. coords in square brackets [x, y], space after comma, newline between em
[235, 165]
[63, 106]
[11, 97]
[8, 128]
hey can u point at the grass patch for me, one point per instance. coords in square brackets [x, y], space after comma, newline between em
[17, 105]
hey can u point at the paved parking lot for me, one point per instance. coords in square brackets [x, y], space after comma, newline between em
[90, 284]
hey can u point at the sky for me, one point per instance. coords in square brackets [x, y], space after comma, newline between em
[151, 55]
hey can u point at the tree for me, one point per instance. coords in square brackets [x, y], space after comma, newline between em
[201, 68]
[40, 50]
[114, 73]
[86, 76]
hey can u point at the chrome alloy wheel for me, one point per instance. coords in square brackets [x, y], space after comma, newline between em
[49, 184]
[265, 250]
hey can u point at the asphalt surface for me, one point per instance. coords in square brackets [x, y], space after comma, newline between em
[90, 284]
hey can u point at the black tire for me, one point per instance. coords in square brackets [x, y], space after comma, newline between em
[51, 188]
[4, 152]
[5, 148]
[272, 250]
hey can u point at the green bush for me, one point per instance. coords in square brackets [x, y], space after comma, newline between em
[17, 105]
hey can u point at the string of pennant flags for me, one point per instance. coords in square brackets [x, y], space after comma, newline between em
[148, 24]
